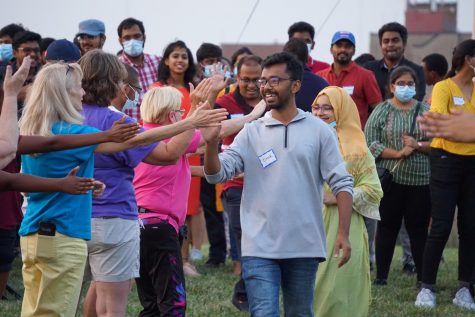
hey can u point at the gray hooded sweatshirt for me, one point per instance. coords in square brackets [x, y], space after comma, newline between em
[284, 171]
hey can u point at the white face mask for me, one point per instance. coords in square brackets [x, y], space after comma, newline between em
[309, 48]
[131, 104]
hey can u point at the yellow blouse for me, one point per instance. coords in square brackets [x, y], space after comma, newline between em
[447, 95]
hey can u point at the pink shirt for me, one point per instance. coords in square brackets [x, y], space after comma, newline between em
[164, 189]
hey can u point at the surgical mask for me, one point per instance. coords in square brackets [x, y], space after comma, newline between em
[332, 124]
[133, 47]
[405, 93]
[208, 71]
[309, 47]
[6, 52]
[235, 71]
[131, 104]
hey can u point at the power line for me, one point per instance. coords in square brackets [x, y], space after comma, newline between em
[327, 18]
[247, 21]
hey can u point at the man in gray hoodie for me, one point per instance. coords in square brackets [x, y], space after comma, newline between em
[286, 157]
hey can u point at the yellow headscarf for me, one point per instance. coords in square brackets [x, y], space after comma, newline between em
[351, 138]
[367, 190]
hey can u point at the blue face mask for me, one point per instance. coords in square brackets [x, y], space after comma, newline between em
[6, 52]
[405, 93]
[235, 71]
[131, 104]
[332, 124]
[133, 47]
[208, 71]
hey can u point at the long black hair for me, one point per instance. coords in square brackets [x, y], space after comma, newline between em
[465, 48]
[164, 70]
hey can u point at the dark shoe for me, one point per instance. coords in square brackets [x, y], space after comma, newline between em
[240, 302]
[380, 281]
[409, 269]
[212, 264]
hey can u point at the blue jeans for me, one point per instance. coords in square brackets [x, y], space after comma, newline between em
[264, 277]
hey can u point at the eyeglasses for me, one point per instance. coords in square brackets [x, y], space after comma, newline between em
[322, 108]
[180, 111]
[273, 81]
[135, 88]
[403, 83]
[29, 50]
[247, 81]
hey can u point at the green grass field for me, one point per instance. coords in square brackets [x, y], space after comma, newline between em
[210, 294]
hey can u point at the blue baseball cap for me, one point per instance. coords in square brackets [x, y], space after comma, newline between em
[91, 27]
[63, 50]
[344, 35]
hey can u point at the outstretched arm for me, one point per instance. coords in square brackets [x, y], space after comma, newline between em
[120, 132]
[458, 126]
[8, 117]
[29, 183]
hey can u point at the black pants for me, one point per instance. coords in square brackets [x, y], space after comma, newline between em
[161, 285]
[214, 222]
[413, 204]
[452, 184]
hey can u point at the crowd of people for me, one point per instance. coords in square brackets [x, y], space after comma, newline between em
[304, 173]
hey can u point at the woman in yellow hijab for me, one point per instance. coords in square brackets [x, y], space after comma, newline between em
[346, 291]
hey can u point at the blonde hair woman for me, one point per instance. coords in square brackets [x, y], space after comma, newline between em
[161, 193]
[333, 296]
[56, 225]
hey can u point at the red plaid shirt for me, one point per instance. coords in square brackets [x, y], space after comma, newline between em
[148, 74]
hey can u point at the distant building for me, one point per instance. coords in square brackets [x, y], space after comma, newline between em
[432, 27]
[262, 50]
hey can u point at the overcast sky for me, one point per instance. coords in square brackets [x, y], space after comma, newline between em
[196, 21]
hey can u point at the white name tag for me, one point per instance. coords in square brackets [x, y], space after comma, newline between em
[349, 89]
[267, 158]
[236, 115]
[458, 101]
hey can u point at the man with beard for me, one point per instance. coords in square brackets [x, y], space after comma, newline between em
[358, 82]
[312, 84]
[393, 40]
[91, 35]
[286, 156]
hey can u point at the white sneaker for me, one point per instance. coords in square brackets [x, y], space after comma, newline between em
[425, 298]
[196, 255]
[464, 299]
[190, 270]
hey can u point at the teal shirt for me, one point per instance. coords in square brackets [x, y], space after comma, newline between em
[70, 213]
[384, 129]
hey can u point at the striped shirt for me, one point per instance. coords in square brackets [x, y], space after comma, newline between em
[148, 74]
[384, 129]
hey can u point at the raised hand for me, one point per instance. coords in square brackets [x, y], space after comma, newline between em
[218, 79]
[457, 126]
[13, 83]
[74, 185]
[200, 93]
[203, 116]
[121, 132]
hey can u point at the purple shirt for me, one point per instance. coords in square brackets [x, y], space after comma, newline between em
[115, 170]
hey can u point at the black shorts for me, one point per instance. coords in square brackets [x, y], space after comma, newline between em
[8, 242]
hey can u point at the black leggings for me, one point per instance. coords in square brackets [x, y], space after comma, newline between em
[452, 184]
[413, 204]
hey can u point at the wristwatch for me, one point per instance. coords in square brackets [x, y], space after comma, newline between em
[419, 144]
